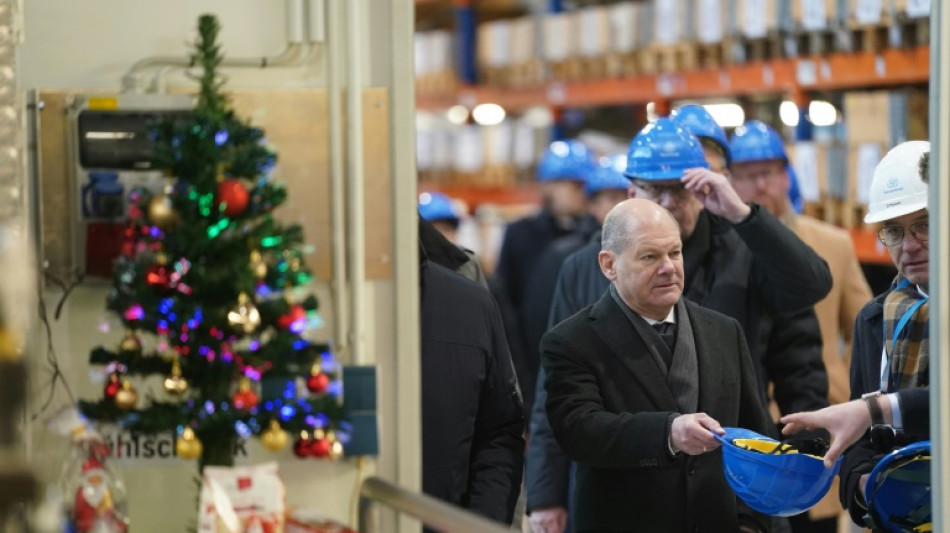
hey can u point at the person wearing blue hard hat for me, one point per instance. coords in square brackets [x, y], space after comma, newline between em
[761, 173]
[738, 260]
[441, 212]
[889, 354]
[605, 187]
[696, 120]
[561, 173]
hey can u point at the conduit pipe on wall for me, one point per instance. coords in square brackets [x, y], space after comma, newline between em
[334, 47]
[356, 256]
[297, 52]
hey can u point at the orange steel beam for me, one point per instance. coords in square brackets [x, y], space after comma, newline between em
[789, 76]
[868, 248]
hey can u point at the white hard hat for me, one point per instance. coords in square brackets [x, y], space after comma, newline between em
[896, 187]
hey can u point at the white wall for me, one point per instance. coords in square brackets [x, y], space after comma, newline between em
[90, 44]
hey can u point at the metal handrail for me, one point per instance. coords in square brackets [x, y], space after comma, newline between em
[430, 511]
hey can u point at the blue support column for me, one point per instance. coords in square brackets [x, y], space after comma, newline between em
[466, 43]
[555, 6]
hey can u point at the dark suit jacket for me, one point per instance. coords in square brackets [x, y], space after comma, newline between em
[609, 405]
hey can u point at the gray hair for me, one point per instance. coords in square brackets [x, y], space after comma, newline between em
[617, 234]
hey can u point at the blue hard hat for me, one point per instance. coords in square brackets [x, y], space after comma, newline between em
[663, 151]
[696, 120]
[566, 160]
[794, 192]
[608, 175]
[898, 489]
[756, 141]
[772, 477]
[437, 206]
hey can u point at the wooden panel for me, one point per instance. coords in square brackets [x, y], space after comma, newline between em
[295, 122]
[55, 184]
[378, 184]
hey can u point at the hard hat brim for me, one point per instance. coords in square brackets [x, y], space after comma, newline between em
[891, 213]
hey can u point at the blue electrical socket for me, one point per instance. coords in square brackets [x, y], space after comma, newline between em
[359, 410]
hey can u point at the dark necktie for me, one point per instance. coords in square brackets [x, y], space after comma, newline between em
[667, 332]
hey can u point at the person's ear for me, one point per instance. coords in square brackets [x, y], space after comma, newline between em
[607, 259]
[631, 191]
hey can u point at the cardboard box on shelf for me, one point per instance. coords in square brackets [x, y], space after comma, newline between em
[669, 19]
[710, 20]
[756, 18]
[815, 15]
[867, 116]
[559, 37]
[624, 26]
[913, 9]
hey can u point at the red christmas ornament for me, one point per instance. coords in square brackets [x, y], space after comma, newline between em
[317, 383]
[297, 314]
[112, 387]
[303, 445]
[157, 276]
[244, 398]
[321, 447]
[234, 197]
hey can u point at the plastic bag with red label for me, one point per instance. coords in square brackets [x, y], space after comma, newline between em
[242, 499]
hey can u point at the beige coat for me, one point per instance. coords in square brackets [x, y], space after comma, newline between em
[836, 315]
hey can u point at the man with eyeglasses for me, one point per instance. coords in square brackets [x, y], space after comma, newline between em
[761, 173]
[889, 357]
[738, 260]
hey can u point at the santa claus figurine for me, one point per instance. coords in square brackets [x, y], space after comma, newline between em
[94, 509]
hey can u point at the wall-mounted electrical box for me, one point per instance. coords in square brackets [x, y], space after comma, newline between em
[110, 154]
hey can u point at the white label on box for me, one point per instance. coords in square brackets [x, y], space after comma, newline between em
[440, 43]
[805, 72]
[709, 21]
[869, 155]
[667, 26]
[918, 8]
[868, 11]
[556, 37]
[469, 151]
[806, 170]
[754, 19]
[500, 48]
[623, 27]
[813, 15]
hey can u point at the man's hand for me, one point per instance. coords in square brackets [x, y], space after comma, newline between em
[551, 520]
[691, 435]
[716, 194]
[845, 421]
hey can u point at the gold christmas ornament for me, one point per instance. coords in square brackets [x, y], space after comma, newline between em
[161, 213]
[175, 384]
[188, 446]
[274, 438]
[126, 398]
[258, 266]
[130, 343]
[336, 448]
[161, 258]
[244, 316]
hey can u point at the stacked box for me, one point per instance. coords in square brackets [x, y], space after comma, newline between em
[863, 13]
[494, 45]
[711, 20]
[754, 19]
[526, 67]
[912, 9]
[818, 15]
[625, 33]
[593, 24]
[560, 38]
[867, 117]
[670, 21]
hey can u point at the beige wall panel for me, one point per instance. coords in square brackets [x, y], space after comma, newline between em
[54, 183]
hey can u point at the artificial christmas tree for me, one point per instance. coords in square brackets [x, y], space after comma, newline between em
[208, 270]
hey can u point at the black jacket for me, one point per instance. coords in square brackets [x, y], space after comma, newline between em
[472, 417]
[860, 458]
[609, 405]
[537, 303]
[749, 271]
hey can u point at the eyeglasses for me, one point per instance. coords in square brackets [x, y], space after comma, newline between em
[894, 235]
[746, 177]
[675, 190]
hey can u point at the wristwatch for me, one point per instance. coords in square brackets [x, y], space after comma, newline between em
[877, 415]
